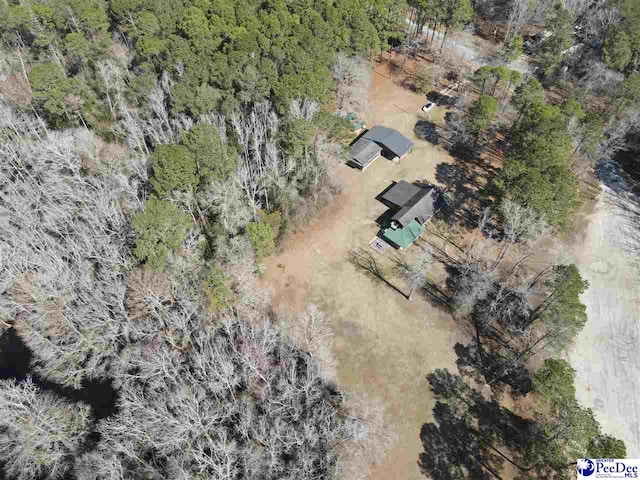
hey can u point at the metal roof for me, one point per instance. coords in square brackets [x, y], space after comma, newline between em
[420, 207]
[390, 139]
[411, 202]
[404, 237]
[364, 151]
[400, 193]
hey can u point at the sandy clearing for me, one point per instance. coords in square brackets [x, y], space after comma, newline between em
[606, 355]
[384, 344]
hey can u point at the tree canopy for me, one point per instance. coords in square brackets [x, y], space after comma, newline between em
[622, 45]
[483, 112]
[160, 229]
[173, 169]
[536, 169]
[559, 23]
[220, 55]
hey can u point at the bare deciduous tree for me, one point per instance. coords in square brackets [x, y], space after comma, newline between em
[39, 431]
[598, 19]
[237, 402]
[303, 109]
[618, 132]
[368, 433]
[598, 79]
[416, 273]
[519, 13]
[144, 283]
[69, 234]
[160, 128]
[352, 76]
[256, 136]
[227, 200]
[311, 333]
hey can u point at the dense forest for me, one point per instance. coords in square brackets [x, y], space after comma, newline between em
[154, 151]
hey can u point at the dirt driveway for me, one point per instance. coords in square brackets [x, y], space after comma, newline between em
[384, 344]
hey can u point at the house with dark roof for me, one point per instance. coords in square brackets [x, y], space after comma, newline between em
[411, 207]
[378, 141]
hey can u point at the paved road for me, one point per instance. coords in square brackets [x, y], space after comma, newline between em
[607, 352]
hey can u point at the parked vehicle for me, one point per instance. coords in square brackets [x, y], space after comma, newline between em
[427, 107]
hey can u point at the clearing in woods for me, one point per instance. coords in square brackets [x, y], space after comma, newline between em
[384, 344]
[605, 355]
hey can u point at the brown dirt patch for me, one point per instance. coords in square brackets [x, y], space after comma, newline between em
[16, 90]
[384, 344]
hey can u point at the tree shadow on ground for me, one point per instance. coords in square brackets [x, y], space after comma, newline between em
[617, 179]
[467, 194]
[441, 100]
[491, 359]
[629, 168]
[623, 193]
[471, 436]
[411, 84]
[452, 451]
[493, 369]
[427, 131]
[16, 360]
[469, 180]
[366, 261]
[434, 294]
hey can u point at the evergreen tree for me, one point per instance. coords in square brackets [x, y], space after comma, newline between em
[173, 169]
[160, 229]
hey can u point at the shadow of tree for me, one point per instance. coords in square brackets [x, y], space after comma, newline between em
[436, 296]
[471, 436]
[624, 195]
[440, 99]
[611, 175]
[468, 183]
[16, 361]
[366, 261]
[427, 131]
[410, 83]
[452, 451]
[464, 201]
[493, 368]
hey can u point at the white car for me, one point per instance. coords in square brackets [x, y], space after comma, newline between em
[427, 107]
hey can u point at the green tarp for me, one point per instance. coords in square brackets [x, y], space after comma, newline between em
[404, 237]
